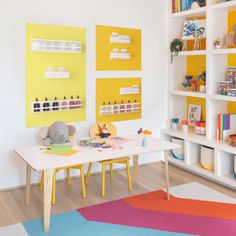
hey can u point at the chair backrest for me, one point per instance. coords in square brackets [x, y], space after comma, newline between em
[94, 130]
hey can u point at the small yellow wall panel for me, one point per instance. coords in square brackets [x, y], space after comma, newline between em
[195, 66]
[108, 91]
[37, 63]
[104, 48]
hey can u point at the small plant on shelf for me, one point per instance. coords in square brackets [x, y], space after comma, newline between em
[176, 46]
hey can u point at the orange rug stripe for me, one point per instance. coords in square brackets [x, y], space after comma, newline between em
[156, 201]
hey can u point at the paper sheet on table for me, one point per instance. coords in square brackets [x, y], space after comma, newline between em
[62, 150]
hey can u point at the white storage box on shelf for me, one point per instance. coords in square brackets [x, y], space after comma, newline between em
[207, 157]
[178, 153]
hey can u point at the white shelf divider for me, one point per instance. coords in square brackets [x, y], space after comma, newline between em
[192, 53]
[188, 94]
[224, 51]
[223, 98]
[230, 5]
[193, 13]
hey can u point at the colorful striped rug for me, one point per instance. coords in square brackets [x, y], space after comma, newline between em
[193, 210]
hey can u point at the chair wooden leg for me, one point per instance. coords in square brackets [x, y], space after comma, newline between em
[68, 175]
[88, 172]
[128, 176]
[41, 182]
[111, 170]
[103, 178]
[54, 188]
[82, 181]
[28, 183]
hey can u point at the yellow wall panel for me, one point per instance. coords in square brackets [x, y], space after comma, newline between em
[104, 48]
[37, 86]
[108, 90]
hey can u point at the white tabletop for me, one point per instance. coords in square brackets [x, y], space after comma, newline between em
[39, 160]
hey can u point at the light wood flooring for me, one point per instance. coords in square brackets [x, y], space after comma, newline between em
[150, 177]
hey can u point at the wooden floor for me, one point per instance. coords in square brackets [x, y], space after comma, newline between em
[150, 177]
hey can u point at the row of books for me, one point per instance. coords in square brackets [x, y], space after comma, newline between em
[226, 125]
[184, 5]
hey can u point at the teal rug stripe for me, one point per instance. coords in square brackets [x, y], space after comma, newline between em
[73, 224]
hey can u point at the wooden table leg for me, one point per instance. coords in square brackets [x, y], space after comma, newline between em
[167, 175]
[28, 183]
[135, 167]
[48, 174]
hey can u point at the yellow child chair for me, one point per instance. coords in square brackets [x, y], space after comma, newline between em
[80, 167]
[94, 132]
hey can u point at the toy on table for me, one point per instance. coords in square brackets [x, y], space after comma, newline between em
[185, 126]
[58, 133]
[174, 123]
[95, 143]
[146, 133]
[104, 131]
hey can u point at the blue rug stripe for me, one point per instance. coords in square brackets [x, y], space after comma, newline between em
[73, 224]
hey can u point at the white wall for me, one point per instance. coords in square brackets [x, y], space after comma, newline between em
[148, 15]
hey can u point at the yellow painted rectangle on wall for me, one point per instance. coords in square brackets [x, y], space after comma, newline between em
[104, 47]
[37, 63]
[108, 92]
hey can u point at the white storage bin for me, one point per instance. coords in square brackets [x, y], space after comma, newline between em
[178, 153]
[207, 157]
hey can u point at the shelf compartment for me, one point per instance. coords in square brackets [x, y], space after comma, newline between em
[230, 5]
[192, 53]
[59, 46]
[188, 94]
[190, 13]
[223, 98]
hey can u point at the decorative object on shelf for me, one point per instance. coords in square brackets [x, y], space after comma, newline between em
[230, 38]
[226, 126]
[184, 5]
[200, 127]
[187, 83]
[232, 140]
[194, 85]
[194, 114]
[56, 105]
[103, 130]
[145, 132]
[176, 46]
[178, 153]
[58, 73]
[64, 46]
[185, 126]
[195, 4]
[174, 123]
[58, 133]
[207, 157]
[217, 43]
[203, 78]
[194, 30]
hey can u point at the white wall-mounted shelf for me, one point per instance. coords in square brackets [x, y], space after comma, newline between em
[192, 53]
[130, 90]
[57, 75]
[56, 46]
[193, 13]
[223, 98]
[120, 39]
[230, 5]
[188, 94]
[224, 51]
[120, 55]
[63, 105]
[115, 109]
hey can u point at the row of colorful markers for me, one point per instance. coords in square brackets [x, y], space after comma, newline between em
[55, 105]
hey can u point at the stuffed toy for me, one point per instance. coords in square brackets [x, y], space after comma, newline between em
[104, 131]
[58, 133]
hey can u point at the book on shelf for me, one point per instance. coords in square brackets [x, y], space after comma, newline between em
[226, 125]
[184, 5]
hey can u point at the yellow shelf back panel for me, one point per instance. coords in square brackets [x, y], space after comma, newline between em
[231, 58]
[195, 66]
[124, 38]
[38, 62]
[110, 90]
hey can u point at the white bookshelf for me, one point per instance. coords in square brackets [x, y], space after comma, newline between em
[216, 15]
